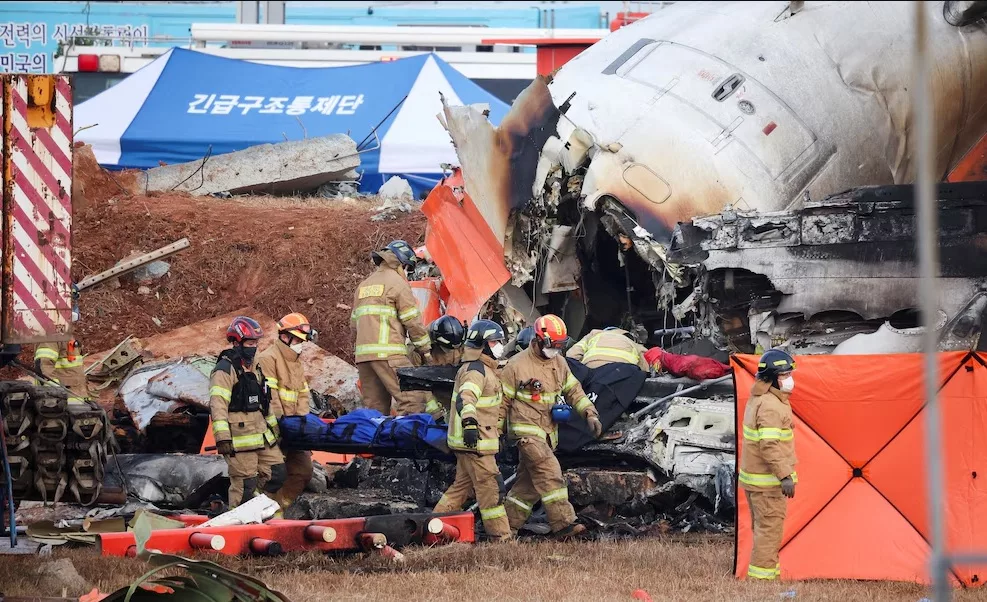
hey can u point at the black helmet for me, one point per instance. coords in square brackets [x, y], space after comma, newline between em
[525, 336]
[773, 363]
[482, 331]
[448, 332]
[402, 250]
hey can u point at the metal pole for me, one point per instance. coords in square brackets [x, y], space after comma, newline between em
[927, 225]
[706, 383]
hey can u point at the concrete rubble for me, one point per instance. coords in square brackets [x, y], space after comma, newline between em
[284, 168]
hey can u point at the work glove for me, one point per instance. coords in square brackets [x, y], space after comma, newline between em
[788, 487]
[225, 448]
[471, 433]
[595, 426]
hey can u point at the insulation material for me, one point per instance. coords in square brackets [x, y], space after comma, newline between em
[860, 509]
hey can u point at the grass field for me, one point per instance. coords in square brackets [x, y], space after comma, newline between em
[680, 568]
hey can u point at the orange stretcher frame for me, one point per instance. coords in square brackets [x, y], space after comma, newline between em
[860, 507]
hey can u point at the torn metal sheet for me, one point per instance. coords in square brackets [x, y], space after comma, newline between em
[171, 480]
[163, 387]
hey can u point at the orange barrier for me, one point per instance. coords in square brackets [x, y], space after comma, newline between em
[860, 507]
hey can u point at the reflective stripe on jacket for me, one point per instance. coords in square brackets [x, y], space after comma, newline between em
[247, 430]
[768, 452]
[601, 347]
[529, 414]
[285, 377]
[478, 393]
[384, 312]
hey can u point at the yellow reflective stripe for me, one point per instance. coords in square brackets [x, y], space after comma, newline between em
[520, 504]
[272, 420]
[500, 424]
[570, 382]
[374, 310]
[456, 442]
[220, 426]
[471, 387]
[288, 395]
[555, 496]
[381, 350]
[468, 408]
[761, 434]
[245, 441]
[433, 407]
[270, 437]
[422, 342]
[758, 572]
[271, 382]
[546, 398]
[631, 357]
[527, 430]
[492, 513]
[64, 363]
[509, 391]
[217, 391]
[45, 354]
[408, 314]
[76, 400]
[583, 404]
[306, 389]
[762, 480]
[491, 401]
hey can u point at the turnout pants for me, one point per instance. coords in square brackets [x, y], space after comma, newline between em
[480, 475]
[768, 509]
[379, 382]
[249, 471]
[298, 464]
[539, 477]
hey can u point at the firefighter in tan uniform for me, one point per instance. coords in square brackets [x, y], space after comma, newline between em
[290, 395]
[474, 435]
[245, 428]
[533, 381]
[767, 460]
[447, 335]
[62, 362]
[608, 346]
[384, 313]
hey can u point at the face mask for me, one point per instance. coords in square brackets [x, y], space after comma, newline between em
[787, 384]
[497, 350]
[248, 354]
[297, 347]
[75, 314]
[549, 353]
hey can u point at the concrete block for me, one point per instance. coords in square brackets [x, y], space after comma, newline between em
[283, 168]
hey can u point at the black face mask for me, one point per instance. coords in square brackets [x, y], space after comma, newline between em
[248, 353]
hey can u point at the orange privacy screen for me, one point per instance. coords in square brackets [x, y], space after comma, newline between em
[860, 508]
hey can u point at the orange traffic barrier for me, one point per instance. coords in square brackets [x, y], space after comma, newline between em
[860, 507]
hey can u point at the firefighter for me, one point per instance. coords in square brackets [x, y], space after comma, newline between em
[447, 335]
[608, 346]
[474, 435]
[520, 342]
[290, 394]
[62, 363]
[384, 313]
[767, 460]
[245, 427]
[534, 381]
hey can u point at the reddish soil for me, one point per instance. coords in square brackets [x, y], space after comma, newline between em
[275, 255]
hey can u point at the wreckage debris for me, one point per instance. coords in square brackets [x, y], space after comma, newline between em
[284, 168]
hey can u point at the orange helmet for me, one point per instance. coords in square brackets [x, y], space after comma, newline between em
[297, 325]
[551, 331]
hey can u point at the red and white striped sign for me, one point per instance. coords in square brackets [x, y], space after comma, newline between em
[37, 293]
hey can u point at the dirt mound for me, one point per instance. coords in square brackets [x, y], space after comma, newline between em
[276, 255]
[91, 184]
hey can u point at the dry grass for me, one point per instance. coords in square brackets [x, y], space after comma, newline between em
[686, 568]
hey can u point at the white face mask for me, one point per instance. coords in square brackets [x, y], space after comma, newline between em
[787, 384]
[549, 353]
[297, 347]
[497, 349]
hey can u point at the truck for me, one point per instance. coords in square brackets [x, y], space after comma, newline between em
[51, 449]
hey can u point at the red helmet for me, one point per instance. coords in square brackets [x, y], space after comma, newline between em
[551, 331]
[243, 329]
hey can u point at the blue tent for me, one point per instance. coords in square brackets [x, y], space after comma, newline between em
[187, 104]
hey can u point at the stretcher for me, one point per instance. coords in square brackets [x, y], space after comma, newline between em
[278, 536]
